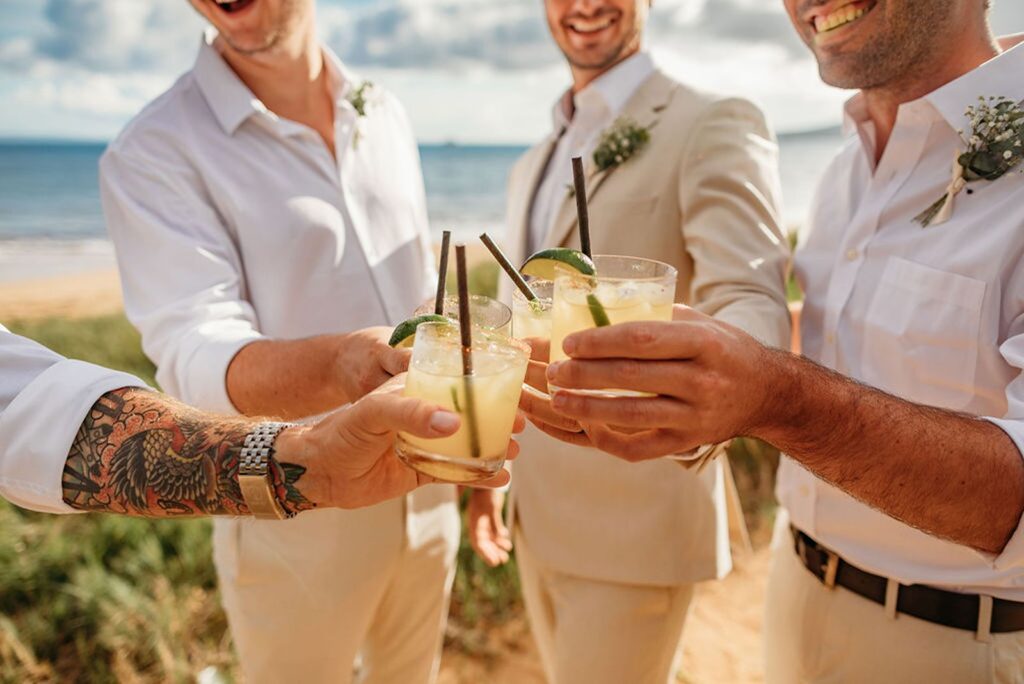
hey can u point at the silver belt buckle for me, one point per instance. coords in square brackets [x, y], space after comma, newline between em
[831, 569]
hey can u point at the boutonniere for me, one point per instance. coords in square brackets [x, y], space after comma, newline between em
[623, 139]
[619, 142]
[360, 98]
[994, 148]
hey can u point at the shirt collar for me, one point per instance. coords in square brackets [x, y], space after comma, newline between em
[231, 100]
[611, 90]
[998, 77]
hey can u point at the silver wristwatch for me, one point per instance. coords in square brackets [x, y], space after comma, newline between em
[254, 472]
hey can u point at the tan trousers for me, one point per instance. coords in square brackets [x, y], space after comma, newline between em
[595, 632]
[306, 598]
[832, 636]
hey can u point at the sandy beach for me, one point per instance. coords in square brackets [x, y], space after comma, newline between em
[40, 279]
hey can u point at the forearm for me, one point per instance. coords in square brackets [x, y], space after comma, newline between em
[951, 475]
[141, 453]
[287, 378]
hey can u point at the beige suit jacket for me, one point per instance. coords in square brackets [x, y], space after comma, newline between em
[703, 195]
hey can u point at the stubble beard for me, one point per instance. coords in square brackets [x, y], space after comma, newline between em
[284, 24]
[899, 55]
[611, 57]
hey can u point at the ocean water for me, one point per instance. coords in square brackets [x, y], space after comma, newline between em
[49, 190]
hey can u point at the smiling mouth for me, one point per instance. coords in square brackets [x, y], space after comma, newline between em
[843, 16]
[585, 26]
[233, 5]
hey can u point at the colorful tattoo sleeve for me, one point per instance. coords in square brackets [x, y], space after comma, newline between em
[140, 453]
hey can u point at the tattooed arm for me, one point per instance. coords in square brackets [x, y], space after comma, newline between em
[141, 453]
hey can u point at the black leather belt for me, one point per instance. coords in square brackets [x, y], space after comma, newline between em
[926, 603]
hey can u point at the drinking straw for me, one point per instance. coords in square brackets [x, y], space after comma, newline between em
[581, 205]
[442, 273]
[465, 326]
[597, 311]
[507, 266]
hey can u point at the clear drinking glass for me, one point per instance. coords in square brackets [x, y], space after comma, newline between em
[486, 313]
[625, 289]
[533, 318]
[487, 400]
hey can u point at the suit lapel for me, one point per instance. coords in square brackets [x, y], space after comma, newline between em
[645, 108]
[533, 174]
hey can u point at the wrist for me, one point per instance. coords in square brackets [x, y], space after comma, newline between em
[294, 470]
[781, 398]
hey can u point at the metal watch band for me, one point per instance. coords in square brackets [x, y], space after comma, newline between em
[254, 472]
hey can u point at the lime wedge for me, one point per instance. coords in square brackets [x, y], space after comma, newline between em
[405, 332]
[597, 311]
[545, 263]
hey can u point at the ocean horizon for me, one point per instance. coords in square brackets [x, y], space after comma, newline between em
[50, 207]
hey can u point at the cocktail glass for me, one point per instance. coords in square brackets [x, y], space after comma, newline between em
[533, 318]
[477, 451]
[625, 289]
[486, 313]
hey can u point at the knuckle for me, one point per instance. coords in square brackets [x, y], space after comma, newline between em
[639, 335]
[630, 370]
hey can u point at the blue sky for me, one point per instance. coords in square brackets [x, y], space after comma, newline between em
[467, 70]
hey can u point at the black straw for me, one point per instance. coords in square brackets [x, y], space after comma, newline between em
[442, 273]
[465, 326]
[581, 205]
[507, 266]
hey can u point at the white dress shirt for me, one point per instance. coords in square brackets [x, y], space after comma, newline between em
[43, 400]
[933, 315]
[579, 121]
[232, 224]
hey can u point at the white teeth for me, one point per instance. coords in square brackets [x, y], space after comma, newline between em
[840, 17]
[583, 26]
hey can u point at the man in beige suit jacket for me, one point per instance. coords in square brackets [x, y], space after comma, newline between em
[608, 551]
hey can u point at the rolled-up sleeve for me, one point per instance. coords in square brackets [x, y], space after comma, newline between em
[180, 269]
[44, 398]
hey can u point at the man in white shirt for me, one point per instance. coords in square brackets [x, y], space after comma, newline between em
[266, 210]
[905, 560]
[609, 554]
[77, 437]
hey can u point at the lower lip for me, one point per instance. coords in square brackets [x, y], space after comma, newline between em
[239, 7]
[587, 35]
[838, 34]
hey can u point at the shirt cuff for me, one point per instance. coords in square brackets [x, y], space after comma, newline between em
[1012, 555]
[38, 428]
[204, 377]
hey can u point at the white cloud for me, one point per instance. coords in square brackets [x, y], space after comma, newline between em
[468, 70]
[118, 35]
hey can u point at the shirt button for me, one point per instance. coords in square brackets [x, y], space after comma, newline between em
[805, 491]
[830, 338]
[852, 254]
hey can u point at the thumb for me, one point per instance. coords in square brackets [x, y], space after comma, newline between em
[385, 413]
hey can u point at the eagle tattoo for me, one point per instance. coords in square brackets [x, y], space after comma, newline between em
[177, 467]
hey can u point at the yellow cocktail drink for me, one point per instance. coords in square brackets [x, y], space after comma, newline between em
[625, 289]
[533, 318]
[486, 401]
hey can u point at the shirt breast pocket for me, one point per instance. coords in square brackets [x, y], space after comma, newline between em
[921, 334]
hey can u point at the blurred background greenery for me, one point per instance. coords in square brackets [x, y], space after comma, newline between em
[97, 598]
